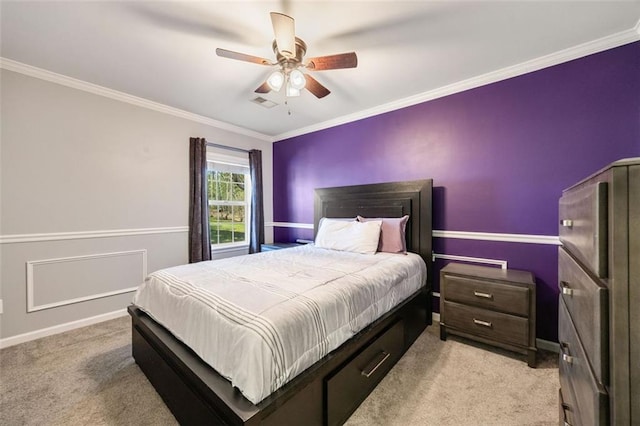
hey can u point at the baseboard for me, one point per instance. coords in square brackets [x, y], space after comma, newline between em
[61, 328]
[548, 345]
[50, 331]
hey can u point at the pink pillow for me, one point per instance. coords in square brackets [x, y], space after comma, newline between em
[392, 233]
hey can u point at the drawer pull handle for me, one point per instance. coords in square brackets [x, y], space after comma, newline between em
[564, 348]
[484, 295]
[565, 288]
[567, 223]
[565, 407]
[482, 323]
[367, 374]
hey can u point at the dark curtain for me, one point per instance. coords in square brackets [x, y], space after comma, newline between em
[199, 239]
[256, 237]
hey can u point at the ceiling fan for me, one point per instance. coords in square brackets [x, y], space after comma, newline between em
[290, 51]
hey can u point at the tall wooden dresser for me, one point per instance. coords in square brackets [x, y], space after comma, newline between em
[599, 304]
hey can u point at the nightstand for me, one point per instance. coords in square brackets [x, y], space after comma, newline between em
[277, 246]
[489, 305]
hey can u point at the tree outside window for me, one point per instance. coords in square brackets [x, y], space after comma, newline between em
[228, 206]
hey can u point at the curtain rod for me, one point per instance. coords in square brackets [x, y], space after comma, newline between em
[230, 148]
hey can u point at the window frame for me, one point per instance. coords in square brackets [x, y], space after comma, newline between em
[234, 161]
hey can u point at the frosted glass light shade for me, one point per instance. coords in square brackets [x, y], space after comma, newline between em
[292, 91]
[275, 80]
[297, 80]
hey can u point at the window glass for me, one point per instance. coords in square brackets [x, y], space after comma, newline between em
[229, 203]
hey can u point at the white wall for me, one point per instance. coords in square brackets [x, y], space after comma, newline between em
[81, 176]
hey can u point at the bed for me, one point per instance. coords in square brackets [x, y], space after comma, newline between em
[329, 390]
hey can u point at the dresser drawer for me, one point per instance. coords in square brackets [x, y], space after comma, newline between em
[587, 301]
[497, 297]
[567, 413]
[359, 375]
[591, 399]
[583, 225]
[488, 324]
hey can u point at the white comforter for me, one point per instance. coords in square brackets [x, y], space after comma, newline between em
[260, 320]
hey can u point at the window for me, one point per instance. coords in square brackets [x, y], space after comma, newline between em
[229, 193]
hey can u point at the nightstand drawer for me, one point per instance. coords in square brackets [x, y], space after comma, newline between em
[493, 305]
[587, 301]
[488, 324]
[497, 297]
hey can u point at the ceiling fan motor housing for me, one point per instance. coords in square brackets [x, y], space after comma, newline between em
[301, 49]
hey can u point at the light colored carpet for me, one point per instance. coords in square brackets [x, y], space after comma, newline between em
[82, 377]
[88, 377]
[460, 382]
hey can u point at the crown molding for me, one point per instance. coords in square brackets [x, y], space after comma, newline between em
[566, 55]
[42, 74]
[569, 54]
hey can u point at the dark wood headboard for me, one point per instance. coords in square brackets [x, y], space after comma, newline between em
[392, 199]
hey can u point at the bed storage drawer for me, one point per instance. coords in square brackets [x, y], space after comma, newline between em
[583, 225]
[347, 387]
[591, 399]
[587, 301]
[491, 295]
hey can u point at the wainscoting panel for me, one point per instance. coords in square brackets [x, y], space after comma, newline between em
[481, 260]
[63, 281]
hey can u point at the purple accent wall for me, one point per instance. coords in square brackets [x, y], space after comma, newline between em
[500, 156]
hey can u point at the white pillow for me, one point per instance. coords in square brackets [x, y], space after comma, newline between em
[341, 219]
[359, 237]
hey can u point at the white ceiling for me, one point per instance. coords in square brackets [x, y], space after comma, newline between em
[407, 51]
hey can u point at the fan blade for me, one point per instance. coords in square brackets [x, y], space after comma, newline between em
[316, 88]
[332, 62]
[284, 30]
[242, 57]
[264, 88]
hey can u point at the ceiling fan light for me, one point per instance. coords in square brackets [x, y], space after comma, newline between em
[292, 91]
[276, 80]
[297, 80]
